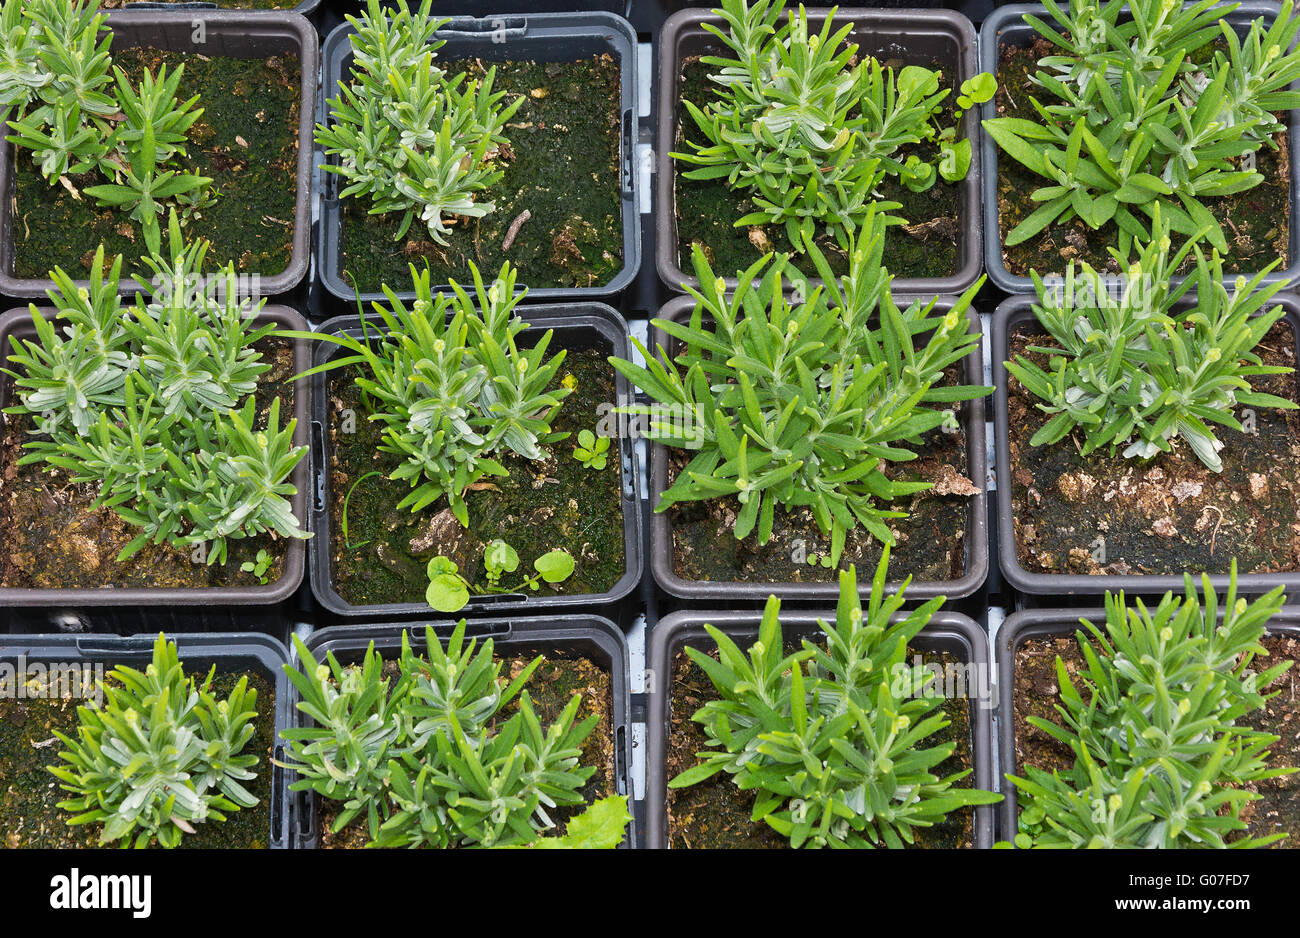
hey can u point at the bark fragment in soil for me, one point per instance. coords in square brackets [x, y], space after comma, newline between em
[1104, 514]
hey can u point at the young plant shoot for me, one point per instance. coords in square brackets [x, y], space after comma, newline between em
[1153, 720]
[438, 754]
[830, 737]
[1135, 116]
[160, 755]
[153, 403]
[1134, 368]
[809, 130]
[799, 403]
[407, 134]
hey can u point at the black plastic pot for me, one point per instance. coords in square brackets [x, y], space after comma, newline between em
[304, 8]
[487, 8]
[591, 637]
[976, 539]
[1017, 311]
[915, 36]
[17, 324]
[237, 34]
[1054, 623]
[948, 632]
[229, 652]
[1004, 27]
[545, 37]
[577, 326]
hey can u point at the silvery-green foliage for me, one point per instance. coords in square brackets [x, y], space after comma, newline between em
[153, 403]
[1132, 119]
[452, 387]
[798, 403]
[404, 132]
[428, 756]
[160, 755]
[1154, 721]
[830, 737]
[1134, 368]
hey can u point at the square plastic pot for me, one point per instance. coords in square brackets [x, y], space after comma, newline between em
[540, 37]
[1004, 27]
[236, 34]
[1017, 311]
[305, 8]
[229, 652]
[17, 324]
[1046, 624]
[576, 326]
[591, 637]
[916, 36]
[976, 564]
[948, 632]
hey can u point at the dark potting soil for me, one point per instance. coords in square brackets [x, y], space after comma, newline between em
[561, 166]
[930, 541]
[246, 141]
[29, 794]
[540, 506]
[1037, 694]
[707, 209]
[53, 540]
[551, 688]
[1256, 223]
[715, 814]
[1104, 514]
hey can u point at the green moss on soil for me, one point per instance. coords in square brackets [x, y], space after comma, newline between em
[1256, 223]
[556, 502]
[551, 687]
[255, 182]
[706, 210]
[29, 794]
[714, 814]
[561, 166]
[54, 540]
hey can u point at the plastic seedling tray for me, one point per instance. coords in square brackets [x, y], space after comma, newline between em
[1011, 315]
[541, 37]
[1005, 27]
[975, 540]
[915, 36]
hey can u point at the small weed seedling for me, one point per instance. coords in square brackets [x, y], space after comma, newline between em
[448, 591]
[258, 566]
[592, 451]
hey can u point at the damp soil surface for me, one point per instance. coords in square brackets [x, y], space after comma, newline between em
[246, 141]
[927, 245]
[715, 814]
[551, 688]
[1103, 514]
[1037, 694]
[561, 166]
[542, 505]
[1255, 223]
[930, 541]
[29, 794]
[53, 540]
